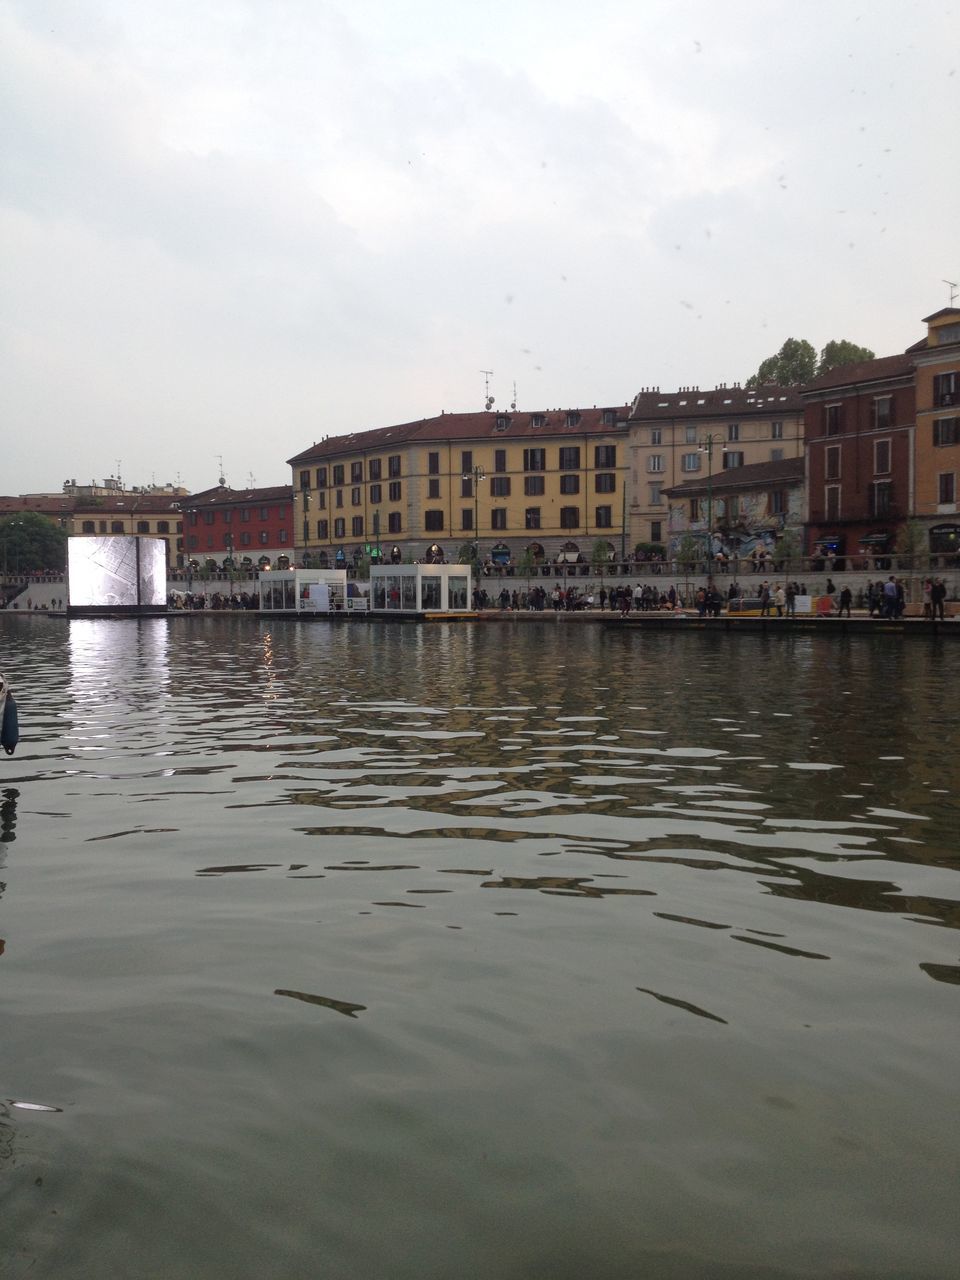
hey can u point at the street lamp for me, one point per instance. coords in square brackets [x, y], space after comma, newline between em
[476, 474]
[706, 446]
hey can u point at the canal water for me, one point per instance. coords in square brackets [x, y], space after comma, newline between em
[477, 950]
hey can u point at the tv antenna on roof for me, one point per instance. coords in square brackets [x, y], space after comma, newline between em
[252, 480]
[513, 402]
[223, 478]
[953, 287]
[489, 399]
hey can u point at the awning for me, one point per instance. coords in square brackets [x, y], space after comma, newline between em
[876, 539]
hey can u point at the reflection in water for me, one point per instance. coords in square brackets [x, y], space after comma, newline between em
[496, 838]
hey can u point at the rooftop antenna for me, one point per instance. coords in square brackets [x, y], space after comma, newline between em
[252, 480]
[953, 287]
[513, 402]
[223, 478]
[119, 483]
[489, 399]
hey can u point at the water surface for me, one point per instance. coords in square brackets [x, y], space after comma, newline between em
[508, 951]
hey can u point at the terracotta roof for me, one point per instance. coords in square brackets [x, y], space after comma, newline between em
[222, 496]
[45, 504]
[467, 426]
[849, 375]
[722, 401]
[759, 475]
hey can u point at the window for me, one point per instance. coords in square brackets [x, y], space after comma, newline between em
[356, 526]
[502, 422]
[393, 490]
[694, 508]
[244, 539]
[690, 435]
[283, 535]
[375, 468]
[466, 518]
[831, 417]
[656, 435]
[356, 472]
[393, 464]
[322, 501]
[116, 526]
[605, 455]
[656, 496]
[500, 460]
[882, 412]
[536, 419]
[569, 484]
[533, 486]
[163, 526]
[777, 502]
[656, 530]
[228, 515]
[881, 457]
[776, 430]
[264, 537]
[433, 464]
[733, 510]
[393, 522]
[209, 517]
[466, 460]
[498, 518]
[604, 482]
[103, 526]
[946, 431]
[881, 498]
[604, 517]
[245, 515]
[499, 486]
[732, 458]
[264, 513]
[733, 430]
[832, 501]
[323, 530]
[776, 455]
[338, 498]
[433, 488]
[609, 417]
[433, 521]
[89, 526]
[690, 462]
[376, 493]
[569, 517]
[321, 477]
[304, 479]
[945, 389]
[339, 527]
[338, 474]
[573, 419]
[655, 462]
[534, 459]
[946, 488]
[531, 518]
[832, 464]
[466, 488]
[570, 458]
[143, 526]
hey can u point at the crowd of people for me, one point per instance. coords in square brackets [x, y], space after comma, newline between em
[219, 600]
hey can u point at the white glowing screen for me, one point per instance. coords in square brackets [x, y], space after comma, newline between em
[116, 572]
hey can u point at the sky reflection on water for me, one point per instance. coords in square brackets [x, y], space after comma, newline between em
[646, 949]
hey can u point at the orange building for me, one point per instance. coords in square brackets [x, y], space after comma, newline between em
[937, 361]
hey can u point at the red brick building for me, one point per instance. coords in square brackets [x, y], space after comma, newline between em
[859, 427]
[252, 526]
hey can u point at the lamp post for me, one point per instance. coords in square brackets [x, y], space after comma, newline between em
[476, 474]
[706, 446]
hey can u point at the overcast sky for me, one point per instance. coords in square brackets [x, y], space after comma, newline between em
[231, 227]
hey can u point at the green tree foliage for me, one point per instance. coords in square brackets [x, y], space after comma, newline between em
[795, 362]
[837, 353]
[600, 554]
[29, 543]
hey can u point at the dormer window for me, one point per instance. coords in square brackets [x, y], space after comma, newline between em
[503, 422]
[536, 420]
[609, 417]
[573, 418]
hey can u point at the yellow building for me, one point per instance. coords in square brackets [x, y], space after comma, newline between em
[937, 361]
[691, 434]
[515, 487]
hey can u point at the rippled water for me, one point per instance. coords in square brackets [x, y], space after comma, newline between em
[495, 951]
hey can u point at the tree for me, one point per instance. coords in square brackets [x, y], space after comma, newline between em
[837, 353]
[29, 542]
[600, 554]
[795, 362]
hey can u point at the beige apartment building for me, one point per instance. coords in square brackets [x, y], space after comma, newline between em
[691, 434]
